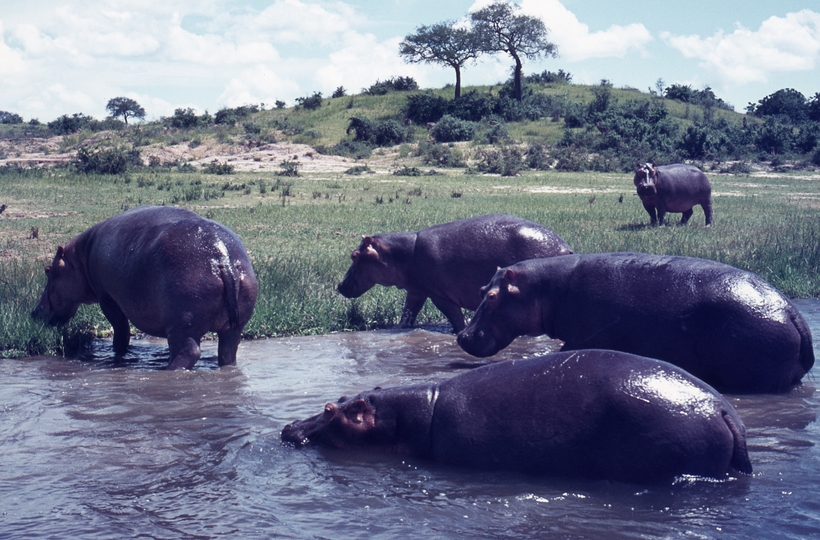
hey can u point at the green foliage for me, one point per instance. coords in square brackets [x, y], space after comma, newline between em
[426, 107]
[441, 155]
[393, 84]
[339, 92]
[311, 102]
[65, 124]
[215, 167]
[451, 129]
[125, 107]
[506, 161]
[548, 77]
[378, 132]
[788, 104]
[106, 160]
[184, 118]
[289, 167]
[687, 94]
[10, 118]
[230, 116]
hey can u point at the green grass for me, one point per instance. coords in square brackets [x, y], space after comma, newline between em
[300, 244]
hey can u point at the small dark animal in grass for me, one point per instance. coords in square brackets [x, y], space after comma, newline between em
[167, 270]
[723, 325]
[447, 263]
[673, 188]
[594, 413]
[2, 208]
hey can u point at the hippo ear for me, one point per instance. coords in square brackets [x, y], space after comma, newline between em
[366, 240]
[509, 279]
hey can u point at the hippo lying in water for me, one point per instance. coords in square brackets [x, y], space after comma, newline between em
[673, 188]
[447, 263]
[168, 271]
[594, 413]
[724, 325]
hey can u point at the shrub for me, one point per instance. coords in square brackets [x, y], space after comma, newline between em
[347, 148]
[450, 129]
[339, 92]
[310, 103]
[10, 118]
[393, 84]
[66, 124]
[440, 154]
[472, 106]
[548, 77]
[106, 161]
[537, 157]
[215, 167]
[184, 118]
[231, 116]
[288, 168]
[377, 132]
[506, 161]
[427, 107]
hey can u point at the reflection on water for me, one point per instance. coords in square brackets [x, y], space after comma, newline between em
[94, 447]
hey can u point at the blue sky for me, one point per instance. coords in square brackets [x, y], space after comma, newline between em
[66, 56]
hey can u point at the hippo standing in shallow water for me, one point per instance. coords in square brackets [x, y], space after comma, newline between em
[168, 271]
[673, 188]
[447, 263]
[596, 414]
[723, 325]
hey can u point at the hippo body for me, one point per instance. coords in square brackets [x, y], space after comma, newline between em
[723, 325]
[593, 413]
[447, 263]
[673, 188]
[169, 271]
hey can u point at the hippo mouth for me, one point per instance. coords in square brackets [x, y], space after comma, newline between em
[294, 434]
[480, 344]
[647, 190]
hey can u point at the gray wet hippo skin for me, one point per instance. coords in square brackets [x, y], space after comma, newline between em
[447, 263]
[593, 413]
[167, 270]
[673, 188]
[723, 325]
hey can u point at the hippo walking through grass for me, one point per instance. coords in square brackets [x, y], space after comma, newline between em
[447, 263]
[721, 324]
[596, 414]
[673, 188]
[168, 271]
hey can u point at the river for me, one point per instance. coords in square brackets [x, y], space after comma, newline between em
[93, 448]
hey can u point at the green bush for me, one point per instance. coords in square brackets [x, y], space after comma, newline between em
[106, 161]
[450, 129]
[424, 108]
[215, 167]
[442, 155]
[184, 118]
[393, 84]
[310, 103]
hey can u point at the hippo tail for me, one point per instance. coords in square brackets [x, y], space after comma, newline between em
[226, 272]
[740, 455]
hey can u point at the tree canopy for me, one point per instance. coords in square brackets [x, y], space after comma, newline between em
[442, 43]
[501, 29]
[125, 107]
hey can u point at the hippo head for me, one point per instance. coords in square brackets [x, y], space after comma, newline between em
[646, 179]
[507, 310]
[348, 423]
[65, 289]
[369, 267]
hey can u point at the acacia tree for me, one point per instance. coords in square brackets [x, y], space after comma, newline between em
[501, 29]
[442, 43]
[125, 107]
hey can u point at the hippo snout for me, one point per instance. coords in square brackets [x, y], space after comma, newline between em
[479, 343]
[293, 434]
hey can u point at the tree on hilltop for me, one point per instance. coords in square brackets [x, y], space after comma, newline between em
[442, 43]
[501, 29]
[125, 107]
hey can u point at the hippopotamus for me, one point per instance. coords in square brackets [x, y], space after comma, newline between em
[593, 413]
[447, 263]
[169, 271]
[673, 188]
[724, 325]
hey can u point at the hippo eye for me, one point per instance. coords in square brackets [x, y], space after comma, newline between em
[492, 295]
[483, 290]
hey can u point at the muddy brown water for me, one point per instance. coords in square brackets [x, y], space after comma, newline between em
[92, 448]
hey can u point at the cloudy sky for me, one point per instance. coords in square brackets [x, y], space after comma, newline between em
[67, 56]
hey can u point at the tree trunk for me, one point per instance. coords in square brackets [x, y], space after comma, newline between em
[458, 82]
[517, 79]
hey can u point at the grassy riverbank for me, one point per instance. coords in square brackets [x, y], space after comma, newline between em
[300, 231]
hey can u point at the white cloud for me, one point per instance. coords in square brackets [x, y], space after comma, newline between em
[259, 84]
[10, 61]
[781, 44]
[574, 40]
[293, 21]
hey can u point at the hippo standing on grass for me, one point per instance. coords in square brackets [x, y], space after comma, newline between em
[596, 414]
[723, 325]
[673, 188]
[168, 271]
[447, 263]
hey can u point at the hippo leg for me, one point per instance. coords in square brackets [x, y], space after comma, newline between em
[412, 305]
[184, 350]
[707, 210]
[650, 209]
[118, 320]
[452, 311]
[686, 215]
[228, 344]
[661, 215]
